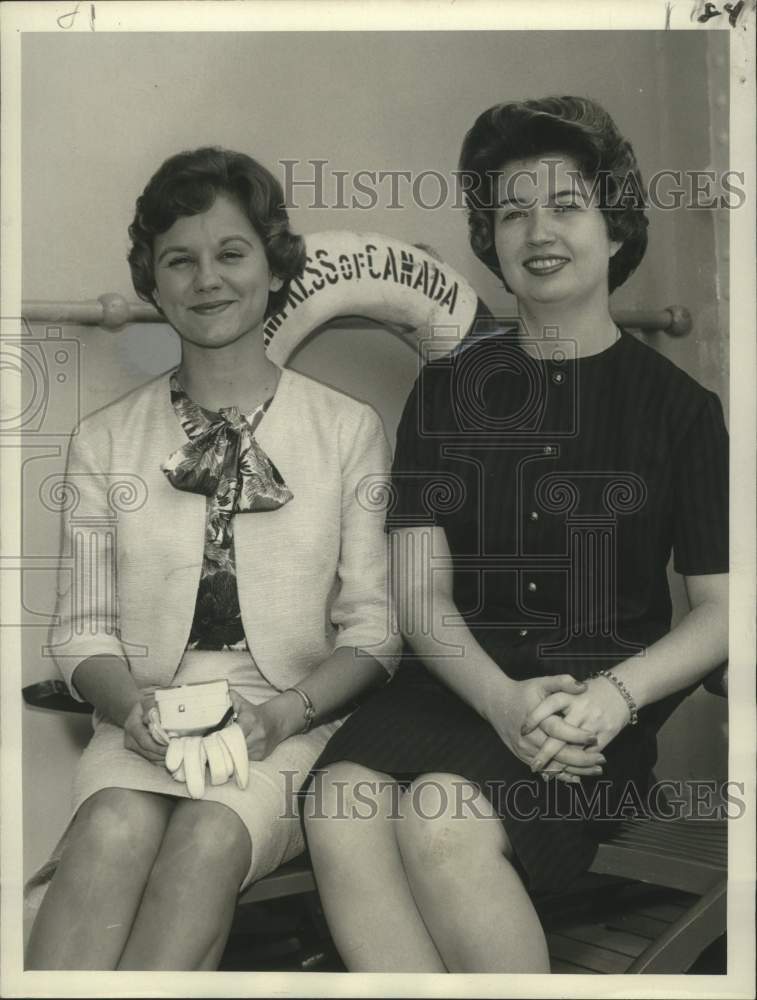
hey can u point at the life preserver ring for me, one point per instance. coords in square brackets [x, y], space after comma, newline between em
[366, 274]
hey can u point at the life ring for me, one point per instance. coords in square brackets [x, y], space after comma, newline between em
[374, 276]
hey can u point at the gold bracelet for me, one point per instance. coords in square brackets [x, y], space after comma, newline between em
[633, 710]
[309, 709]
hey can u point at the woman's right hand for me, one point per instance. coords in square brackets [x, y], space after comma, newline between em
[511, 705]
[137, 735]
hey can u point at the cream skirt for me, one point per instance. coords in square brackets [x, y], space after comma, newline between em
[267, 807]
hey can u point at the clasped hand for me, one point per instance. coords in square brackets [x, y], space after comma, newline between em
[558, 725]
[599, 709]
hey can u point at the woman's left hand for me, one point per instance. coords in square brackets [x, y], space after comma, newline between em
[263, 727]
[600, 709]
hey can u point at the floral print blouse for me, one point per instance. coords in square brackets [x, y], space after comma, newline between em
[223, 461]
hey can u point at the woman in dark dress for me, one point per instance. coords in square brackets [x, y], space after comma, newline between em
[542, 477]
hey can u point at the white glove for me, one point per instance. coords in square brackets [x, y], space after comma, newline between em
[220, 761]
[232, 740]
[225, 753]
[175, 758]
[195, 759]
[185, 761]
[226, 750]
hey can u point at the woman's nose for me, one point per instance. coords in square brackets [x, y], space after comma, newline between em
[539, 230]
[206, 276]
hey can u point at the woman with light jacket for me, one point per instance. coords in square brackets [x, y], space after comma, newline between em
[241, 552]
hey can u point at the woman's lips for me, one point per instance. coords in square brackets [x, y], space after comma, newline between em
[544, 265]
[211, 308]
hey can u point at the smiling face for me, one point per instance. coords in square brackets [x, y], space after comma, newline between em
[550, 236]
[211, 275]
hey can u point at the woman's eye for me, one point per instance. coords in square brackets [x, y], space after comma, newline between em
[178, 261]
[567, 207]
[512, 213]
[232, 255]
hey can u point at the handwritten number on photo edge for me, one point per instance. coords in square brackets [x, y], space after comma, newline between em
[711, 10]
[734, 10]
[70, 18]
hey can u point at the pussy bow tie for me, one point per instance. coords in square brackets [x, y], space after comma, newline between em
[223, 461]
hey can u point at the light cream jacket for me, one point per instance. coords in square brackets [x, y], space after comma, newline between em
[312, 575]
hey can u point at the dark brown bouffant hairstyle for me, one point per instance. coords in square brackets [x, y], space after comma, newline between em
[187, 184]
[573, 126]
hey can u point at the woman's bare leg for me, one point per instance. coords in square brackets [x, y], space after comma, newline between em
[362, 884]
[188, 905]
[88, 911]
[455, 852]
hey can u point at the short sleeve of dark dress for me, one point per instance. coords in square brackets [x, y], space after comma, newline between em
[563, 486]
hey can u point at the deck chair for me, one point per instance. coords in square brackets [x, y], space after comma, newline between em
[655, 896]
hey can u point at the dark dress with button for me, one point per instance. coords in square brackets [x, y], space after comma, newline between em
[562, 485]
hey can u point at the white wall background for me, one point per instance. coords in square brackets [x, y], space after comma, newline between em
[100, 112]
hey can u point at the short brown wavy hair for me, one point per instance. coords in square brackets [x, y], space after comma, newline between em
[575, 126]
[187, 184]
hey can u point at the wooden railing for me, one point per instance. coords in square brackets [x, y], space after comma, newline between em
[113, 312]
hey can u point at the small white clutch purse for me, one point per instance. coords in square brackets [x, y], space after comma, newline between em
[194, 709]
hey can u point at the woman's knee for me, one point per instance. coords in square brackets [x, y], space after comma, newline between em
[343, 798]
[121, 824]
[210, 835]
[447, 823]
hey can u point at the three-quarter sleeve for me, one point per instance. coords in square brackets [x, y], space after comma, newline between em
[363, 610]
[86, 614]
[700, 497]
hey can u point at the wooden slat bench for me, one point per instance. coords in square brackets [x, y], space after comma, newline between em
[662, 899]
